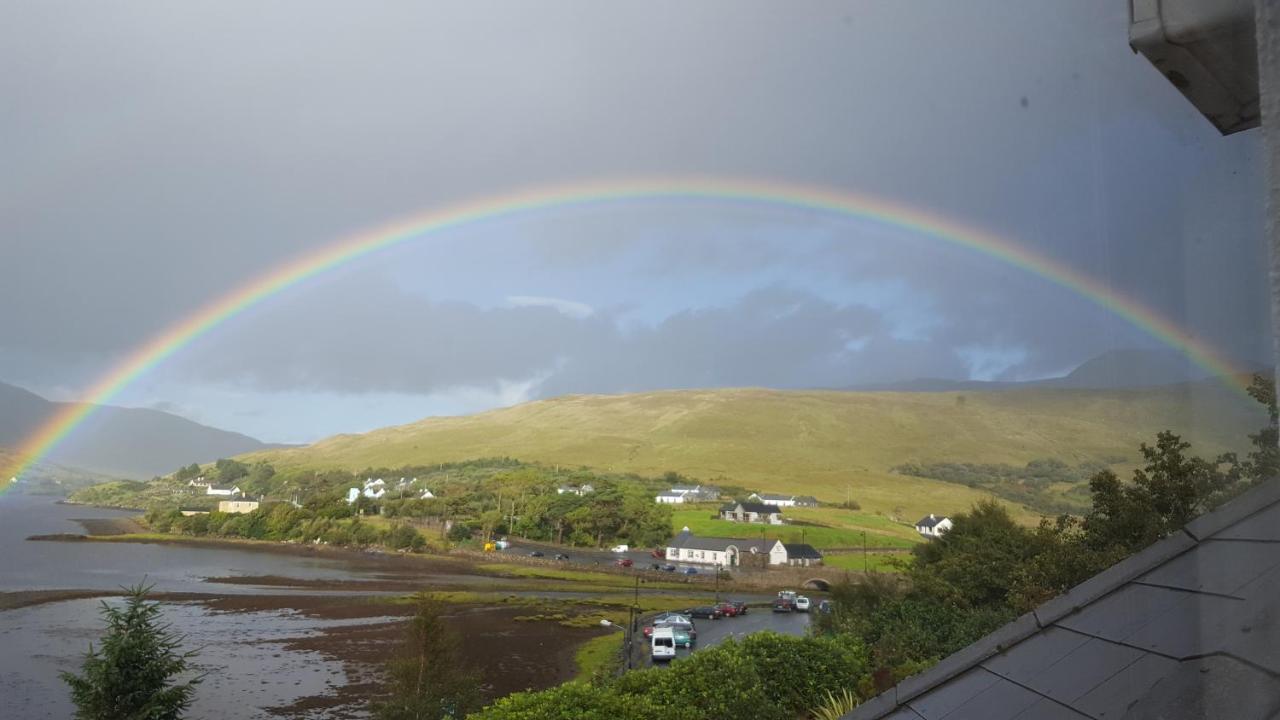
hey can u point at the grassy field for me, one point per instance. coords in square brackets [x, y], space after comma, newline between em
[880, 533]
[825, 443]
[598, 653]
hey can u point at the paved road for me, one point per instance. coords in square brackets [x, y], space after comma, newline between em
[714, 632]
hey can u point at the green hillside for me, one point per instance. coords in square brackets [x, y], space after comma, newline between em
[830, 444]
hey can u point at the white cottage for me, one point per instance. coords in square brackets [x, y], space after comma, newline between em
[933, 526]
[727, 552]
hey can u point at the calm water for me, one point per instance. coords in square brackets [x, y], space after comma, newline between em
[61, 565]
[243, 654]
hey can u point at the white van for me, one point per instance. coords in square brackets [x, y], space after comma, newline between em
[663, 644]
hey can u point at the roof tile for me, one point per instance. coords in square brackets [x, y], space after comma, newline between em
[1264, 525]
[1216, 566]
[1234, 511]
[953, 694]
[1112, 698]
[1062, 664]
[968, 657]
[1113, 578]
[999, 700]
[1119, 615]
[1212, 688]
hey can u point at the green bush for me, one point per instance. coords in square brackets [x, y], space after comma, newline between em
[766, 677]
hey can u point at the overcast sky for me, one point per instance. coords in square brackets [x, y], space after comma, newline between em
[154, 156]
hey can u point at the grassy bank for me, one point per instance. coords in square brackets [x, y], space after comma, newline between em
[880, 532]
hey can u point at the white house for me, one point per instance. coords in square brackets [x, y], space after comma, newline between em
[578, 490]
[223, 490]
[426, 495]
[670, 498]
[772, 499]
[933, 526]
[373, 489]
[198, 482]
[727, 552]
[751, 513]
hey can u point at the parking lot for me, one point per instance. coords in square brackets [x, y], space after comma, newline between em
[713, 632]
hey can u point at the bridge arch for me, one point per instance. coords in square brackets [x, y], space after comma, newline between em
[817, 584]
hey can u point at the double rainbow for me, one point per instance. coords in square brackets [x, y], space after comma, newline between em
[803, 197]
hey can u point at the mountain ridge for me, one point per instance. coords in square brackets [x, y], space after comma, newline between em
[119, 441]
[829, 443]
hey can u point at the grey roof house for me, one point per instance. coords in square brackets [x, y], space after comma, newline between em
[1187, 629]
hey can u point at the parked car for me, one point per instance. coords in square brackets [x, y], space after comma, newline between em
[704, 611]
[740, 605]
[623, 562]
[561, 556]
[824, 606]
[663, 644]
[669, 567]
[781, 605]
[658, 553]
[691, 571]
[535, 553]
[619, 548]
[727, 609]
[686, 634]
[802, 604]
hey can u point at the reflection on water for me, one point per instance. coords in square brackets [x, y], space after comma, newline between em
[243, 654]
[98, 566]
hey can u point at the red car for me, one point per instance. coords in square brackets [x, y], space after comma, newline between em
[728, 609]
[623, 562]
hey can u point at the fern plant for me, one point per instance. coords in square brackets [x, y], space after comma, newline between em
[836, 705]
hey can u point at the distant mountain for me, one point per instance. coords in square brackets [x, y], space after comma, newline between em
[123, 442]
[1114, 370]
[1130, 369]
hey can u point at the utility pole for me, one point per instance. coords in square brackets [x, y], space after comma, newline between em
[864, 552]
[718, 584]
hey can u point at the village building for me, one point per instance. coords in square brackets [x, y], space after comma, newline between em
[933, 526]
[751, 513]
[223, 490]
[802, 555]
[237, 507]
[680, 494]
[784, 501]
[426, 495]
[726, 552]
[578, 490]
[198, 482]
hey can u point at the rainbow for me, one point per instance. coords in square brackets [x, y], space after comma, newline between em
[796, 196]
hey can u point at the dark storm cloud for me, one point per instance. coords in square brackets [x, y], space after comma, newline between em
[386, 340]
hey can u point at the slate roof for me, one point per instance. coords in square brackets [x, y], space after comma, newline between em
[929, 521]
[752, 507]
[688, 540]
[1188, 628]
[773, 496]
[801, 551]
